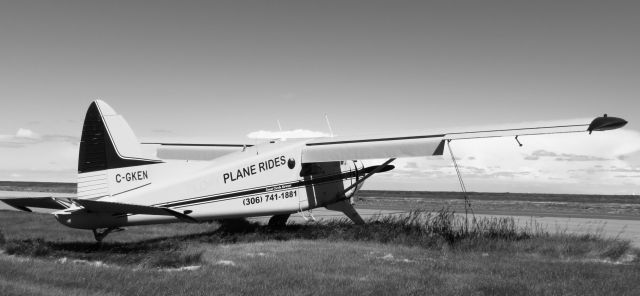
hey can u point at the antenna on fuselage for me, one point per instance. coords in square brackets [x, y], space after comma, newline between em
[282, 138]
[326, 117]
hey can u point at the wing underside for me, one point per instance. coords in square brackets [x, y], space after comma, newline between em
[371, 148]
[184, 151]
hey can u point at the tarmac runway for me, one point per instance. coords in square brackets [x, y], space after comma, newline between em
[610, 225]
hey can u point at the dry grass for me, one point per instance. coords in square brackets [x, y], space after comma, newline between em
[321, 267]
[420, 253]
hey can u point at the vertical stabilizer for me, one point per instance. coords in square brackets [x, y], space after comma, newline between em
[108, 150]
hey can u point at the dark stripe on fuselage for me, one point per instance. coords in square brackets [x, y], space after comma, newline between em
[258, 190]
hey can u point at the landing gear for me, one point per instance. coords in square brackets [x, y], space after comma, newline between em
[100, 235]
[236, 225]
[279, 220]
[346, 207]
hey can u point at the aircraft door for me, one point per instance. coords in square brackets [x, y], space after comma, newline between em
[325, 182]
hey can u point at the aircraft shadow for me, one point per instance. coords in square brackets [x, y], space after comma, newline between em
[225, 234]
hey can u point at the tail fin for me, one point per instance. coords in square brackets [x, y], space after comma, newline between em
[107, 148]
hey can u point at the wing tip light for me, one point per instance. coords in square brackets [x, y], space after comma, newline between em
[605, 122]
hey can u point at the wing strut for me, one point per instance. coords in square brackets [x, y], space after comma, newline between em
[343, 205]
[378, 169]
[467, 203]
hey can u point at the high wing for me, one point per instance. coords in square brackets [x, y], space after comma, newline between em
[184, 151]
[432, 143]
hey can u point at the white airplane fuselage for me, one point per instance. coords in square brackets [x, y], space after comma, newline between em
[262, 180]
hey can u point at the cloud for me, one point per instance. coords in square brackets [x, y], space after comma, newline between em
[27, 134]
[24, 137]
[633, 157]
[30, 155]
[536, 155]
[60, 138]
[578, 157]
[627, 176]
[613, 171]
[411, 165]
[39, 175]
[291, 134]
[624, 170]
[543, 153]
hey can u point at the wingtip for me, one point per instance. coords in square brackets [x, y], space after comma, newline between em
[606, 122]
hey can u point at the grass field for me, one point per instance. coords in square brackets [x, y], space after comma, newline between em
[501, 196]
[38, 186]
[417, 254]
[525, 204]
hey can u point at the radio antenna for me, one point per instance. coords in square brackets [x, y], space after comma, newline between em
[326, 117]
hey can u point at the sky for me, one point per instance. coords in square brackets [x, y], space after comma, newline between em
[219, 71]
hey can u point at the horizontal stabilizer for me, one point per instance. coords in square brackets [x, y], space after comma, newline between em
[121, 208]
[25, 203]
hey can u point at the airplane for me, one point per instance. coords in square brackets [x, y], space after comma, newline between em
[119, 185]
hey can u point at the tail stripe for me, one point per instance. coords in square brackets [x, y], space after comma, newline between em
[107, 144]
[97, 149]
